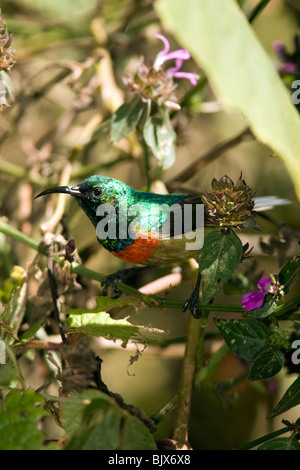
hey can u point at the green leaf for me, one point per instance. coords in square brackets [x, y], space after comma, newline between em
[105, 303]
[99, 431]
[97, 322]
[135, 435]
[280, 443]
[94, 421]
[219, 257]
[18, 416]
[219, 37]
[267, 364]
[6, 89]
[247, 338]
[290, 399]
[262, 312]
[103, 129]
[72, 409]
[101, 324]
[14, 311]
[290, 273]
[126, 118]
[30, 333]
[160, 136]
[252, 340]
[251, 224]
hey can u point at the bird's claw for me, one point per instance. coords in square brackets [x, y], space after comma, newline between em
[112, 280]
[192, 304]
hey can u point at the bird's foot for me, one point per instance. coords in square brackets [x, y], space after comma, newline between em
[112, 280]
[192, 304]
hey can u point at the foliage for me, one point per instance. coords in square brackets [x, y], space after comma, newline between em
[77, 99]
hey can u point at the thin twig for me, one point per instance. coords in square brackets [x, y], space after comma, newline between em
[208, 157]
[54, 298]
[280, 225]
[257, 10]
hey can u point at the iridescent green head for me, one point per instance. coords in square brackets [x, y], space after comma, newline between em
[92, 192]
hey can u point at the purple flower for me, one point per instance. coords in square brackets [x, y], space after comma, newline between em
[179, 56]
[278, 46]
[289, 67]
[290, 60]
[272, 384]
[254, 300]
[174, 72]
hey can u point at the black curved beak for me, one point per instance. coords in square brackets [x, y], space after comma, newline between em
[72, 190]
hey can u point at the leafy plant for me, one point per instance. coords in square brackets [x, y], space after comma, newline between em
[80, 100]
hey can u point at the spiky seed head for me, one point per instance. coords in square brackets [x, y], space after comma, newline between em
[228, 204]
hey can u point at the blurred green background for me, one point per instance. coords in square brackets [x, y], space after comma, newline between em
[70, 60]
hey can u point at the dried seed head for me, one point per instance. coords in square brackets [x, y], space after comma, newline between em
[228, 204]
[81, 367]
[6, 63]
[152, 84]
[6, 52]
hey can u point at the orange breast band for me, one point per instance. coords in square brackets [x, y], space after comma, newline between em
[140, 250]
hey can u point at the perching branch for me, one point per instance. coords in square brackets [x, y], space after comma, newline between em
[150, 300]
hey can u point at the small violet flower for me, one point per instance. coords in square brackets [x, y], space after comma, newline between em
[179, 56]
[290, 60]
[254, 300]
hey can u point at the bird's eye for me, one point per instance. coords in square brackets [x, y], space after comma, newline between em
[97, 192]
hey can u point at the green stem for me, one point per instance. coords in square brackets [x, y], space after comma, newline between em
[166, 408]
[204, 321]
[21, 237]
[257, 10]
[205, 372]
[147, 164]
[151, 300]
[192, 91]
[225, 387]
[20, 173]
[201, 377]
[287, 306]
[15, 364]
[187, 380]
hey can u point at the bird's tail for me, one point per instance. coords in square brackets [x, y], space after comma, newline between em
[268, 202]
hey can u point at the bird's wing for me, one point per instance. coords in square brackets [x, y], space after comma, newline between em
[175, 217]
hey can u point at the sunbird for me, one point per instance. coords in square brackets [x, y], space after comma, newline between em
[159, 229]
